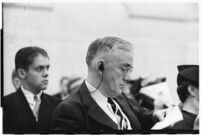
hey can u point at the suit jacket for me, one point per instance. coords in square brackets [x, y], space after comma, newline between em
[80, 113]
[58, 96]
[18, 116]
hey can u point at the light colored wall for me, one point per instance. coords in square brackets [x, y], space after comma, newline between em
[66, 30]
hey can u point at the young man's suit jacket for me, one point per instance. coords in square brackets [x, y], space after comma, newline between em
[80, 112]
[18, 116]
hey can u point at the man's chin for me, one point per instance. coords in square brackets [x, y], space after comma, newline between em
[117, 94]
[43, 88]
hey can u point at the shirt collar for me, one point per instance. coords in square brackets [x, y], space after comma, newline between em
[30, 96]
[96, 94]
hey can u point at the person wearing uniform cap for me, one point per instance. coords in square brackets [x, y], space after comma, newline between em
[188, 92]
[29, 110]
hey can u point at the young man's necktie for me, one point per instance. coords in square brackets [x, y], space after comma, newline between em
[37, 106]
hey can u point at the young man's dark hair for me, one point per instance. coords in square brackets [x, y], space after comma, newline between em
[24, 57]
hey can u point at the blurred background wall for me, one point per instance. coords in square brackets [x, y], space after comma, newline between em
[164, 35]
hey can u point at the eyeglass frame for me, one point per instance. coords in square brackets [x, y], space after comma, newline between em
[123, 68]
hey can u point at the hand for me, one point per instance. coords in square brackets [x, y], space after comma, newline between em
[162, 103]
[159, 115]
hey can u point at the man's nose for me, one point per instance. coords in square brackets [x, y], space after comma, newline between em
[127, 77]
[46, 72]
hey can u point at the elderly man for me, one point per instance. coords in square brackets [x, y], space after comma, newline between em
[99, 104]
[29, 110]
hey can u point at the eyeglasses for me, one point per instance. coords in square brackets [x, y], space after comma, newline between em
[124, 69]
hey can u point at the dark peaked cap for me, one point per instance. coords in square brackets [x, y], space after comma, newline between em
[188, 73]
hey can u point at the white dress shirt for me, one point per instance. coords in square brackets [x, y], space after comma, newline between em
[30, 97]
[101, 100]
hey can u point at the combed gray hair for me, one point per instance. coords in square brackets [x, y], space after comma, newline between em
[106, 44]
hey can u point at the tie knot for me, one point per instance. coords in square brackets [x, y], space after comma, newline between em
[110, 101]
[36, 98]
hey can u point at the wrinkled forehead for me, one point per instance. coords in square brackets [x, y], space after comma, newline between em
[122, 47]
[120, 56]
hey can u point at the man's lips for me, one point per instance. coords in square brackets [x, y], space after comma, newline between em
[122, 85]
[45, 81]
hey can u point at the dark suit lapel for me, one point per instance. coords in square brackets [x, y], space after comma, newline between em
[45, 109]
[23, 109]
[94, 111]
[100, 116]
[135, 124]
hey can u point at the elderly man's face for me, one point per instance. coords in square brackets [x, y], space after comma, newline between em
[116, 72]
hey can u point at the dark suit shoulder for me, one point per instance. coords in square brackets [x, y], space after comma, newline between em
[52, 99]
[70, 114]
[10, 96]
[8, 99]
[57, 95]
[73, 101]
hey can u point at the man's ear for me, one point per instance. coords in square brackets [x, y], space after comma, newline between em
[192, 90]
[100, 66]
[21, 73]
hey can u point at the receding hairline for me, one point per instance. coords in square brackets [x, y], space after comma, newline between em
[107, 45]
[110, 53]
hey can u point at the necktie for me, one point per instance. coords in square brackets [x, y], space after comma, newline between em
[122, 122]
[36, 107]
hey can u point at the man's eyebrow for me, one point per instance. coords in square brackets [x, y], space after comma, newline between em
[126, 65]
[43, 66]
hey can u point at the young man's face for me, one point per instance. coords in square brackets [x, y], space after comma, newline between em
[37, 73]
